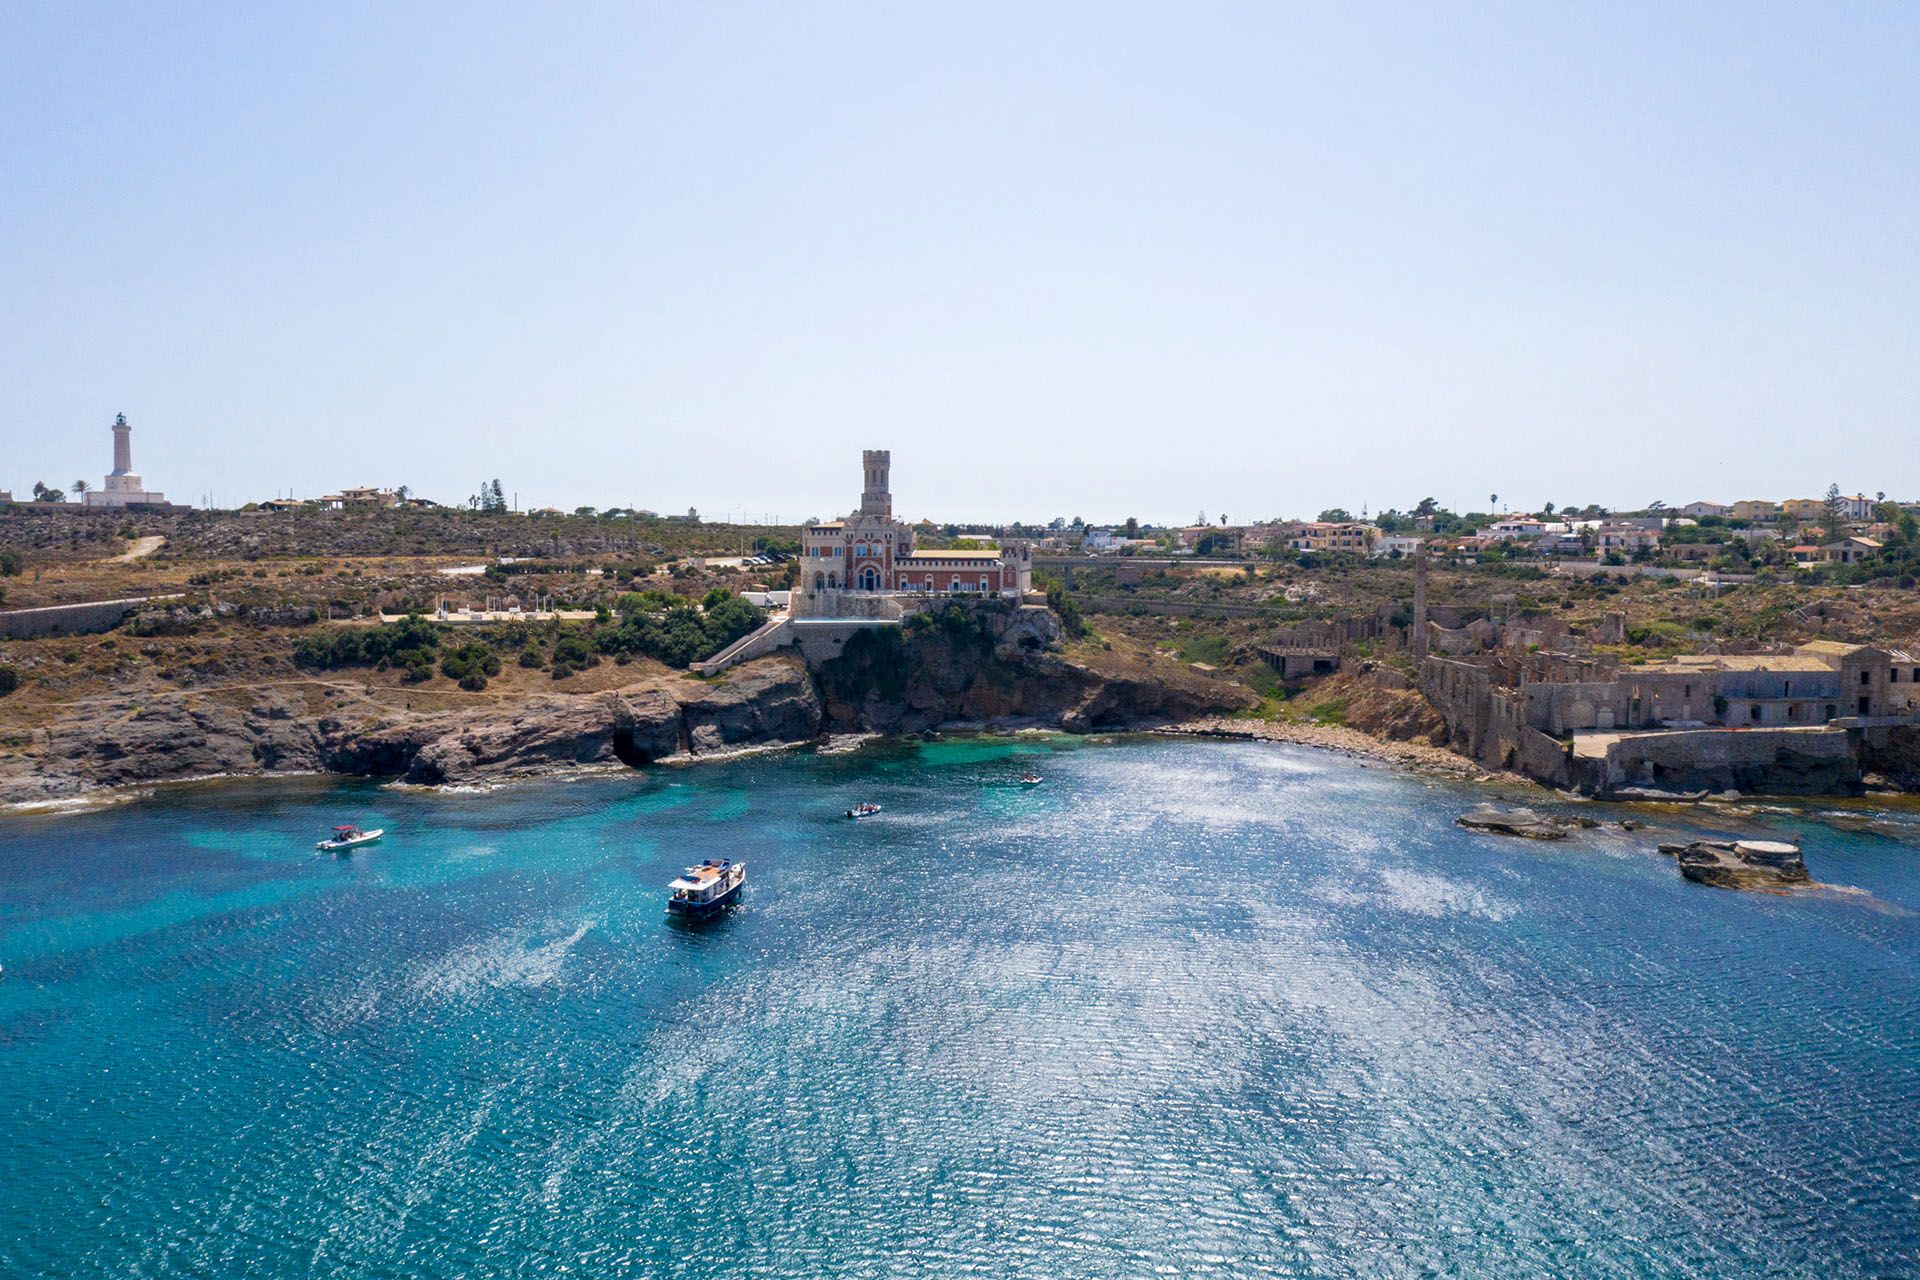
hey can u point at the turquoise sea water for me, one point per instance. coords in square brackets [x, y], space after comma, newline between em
[1187, 1009]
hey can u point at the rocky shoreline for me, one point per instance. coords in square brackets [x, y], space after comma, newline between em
[997, 673]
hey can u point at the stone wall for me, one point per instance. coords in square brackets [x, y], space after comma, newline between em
[67, 619]
[1773, 761]
[769, 636]
[822, 639]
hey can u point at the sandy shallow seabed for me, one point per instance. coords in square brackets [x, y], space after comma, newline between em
[1351, 742]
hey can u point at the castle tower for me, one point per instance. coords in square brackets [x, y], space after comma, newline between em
[875, 500]
[122, 446]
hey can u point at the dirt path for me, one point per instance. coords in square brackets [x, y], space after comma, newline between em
[141, 548]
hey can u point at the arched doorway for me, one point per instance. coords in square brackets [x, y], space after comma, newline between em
[869, 579]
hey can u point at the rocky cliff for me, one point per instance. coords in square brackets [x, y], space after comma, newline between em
[986, 665]
[982, 666]
[305, 726]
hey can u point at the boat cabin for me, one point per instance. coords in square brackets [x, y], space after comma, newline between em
[706, 882]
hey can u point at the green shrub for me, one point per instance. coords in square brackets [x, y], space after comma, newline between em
[395, 643]
[680, 635]
[574, 650]
[471, 664]
[9, 681]
[1062, 604]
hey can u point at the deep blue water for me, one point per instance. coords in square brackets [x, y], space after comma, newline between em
[1187, 1009]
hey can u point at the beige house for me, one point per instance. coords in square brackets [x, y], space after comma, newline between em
[1334, 536]
[1849, 550]
[1756, 509]
[362, 497]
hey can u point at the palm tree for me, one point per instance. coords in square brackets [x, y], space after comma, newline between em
[1493, 502]
[80, 488]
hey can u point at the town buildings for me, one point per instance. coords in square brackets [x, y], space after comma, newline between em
[123, 486]
[851, 567]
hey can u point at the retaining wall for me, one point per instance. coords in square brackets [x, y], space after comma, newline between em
[67, 619]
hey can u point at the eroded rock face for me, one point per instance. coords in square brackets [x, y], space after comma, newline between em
[1741, 864]
[111, 742]
[987, 667]
[999, 668]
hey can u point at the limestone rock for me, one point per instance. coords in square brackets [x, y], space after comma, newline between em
[1741, 864]
[113, 742]
[1526, 823]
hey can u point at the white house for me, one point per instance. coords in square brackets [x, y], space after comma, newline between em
[1389, 543]
[1513, 527]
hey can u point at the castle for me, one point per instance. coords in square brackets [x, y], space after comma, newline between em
[851, 567]
[124, 488]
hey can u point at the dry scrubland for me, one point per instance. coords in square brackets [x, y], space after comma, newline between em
[253, 585]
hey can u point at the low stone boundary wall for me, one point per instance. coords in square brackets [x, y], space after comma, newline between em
[70, 619]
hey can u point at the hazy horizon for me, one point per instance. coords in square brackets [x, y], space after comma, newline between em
[1081, 260]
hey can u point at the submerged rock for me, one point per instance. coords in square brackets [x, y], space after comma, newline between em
[1528, 824]
[1741, 864]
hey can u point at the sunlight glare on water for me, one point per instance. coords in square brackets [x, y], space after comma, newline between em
[1186, 1008]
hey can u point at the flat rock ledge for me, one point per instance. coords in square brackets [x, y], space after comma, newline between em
[1765, 865]
[1528, 824]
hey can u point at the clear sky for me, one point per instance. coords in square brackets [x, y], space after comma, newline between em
[1101, 260]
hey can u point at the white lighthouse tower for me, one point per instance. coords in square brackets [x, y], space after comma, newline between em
[123, 487]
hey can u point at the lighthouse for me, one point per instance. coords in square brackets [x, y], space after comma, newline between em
[122, 447]
[123, 487]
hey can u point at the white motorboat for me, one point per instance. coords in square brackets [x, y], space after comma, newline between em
[347, 836]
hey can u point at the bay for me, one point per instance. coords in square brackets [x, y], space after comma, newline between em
[1186, 1008]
